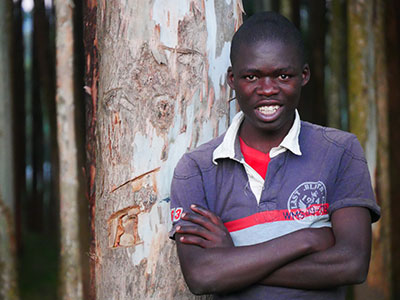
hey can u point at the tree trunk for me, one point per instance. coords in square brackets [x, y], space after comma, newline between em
[380, 274]
[44, 79]
[19, 116]
[162, 91]
[71, 285]
[312, 105]
[291, 10]
[336, 81]
[91, 99]
[368, 119]
[392, 29]
[8, 284]
[36, 201]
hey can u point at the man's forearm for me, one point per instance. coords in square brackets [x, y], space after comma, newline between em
[221, 270]
[343, 264]
[327, 269]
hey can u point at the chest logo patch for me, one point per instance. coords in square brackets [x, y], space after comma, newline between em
[308, 202]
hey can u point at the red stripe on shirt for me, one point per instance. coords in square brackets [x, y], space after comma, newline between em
[277, 215]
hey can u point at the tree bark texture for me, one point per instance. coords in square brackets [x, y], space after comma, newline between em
[8, 284]
[162, 91]
[71, 285]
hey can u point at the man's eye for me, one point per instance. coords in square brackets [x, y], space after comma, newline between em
[284, 76]
[251, 77]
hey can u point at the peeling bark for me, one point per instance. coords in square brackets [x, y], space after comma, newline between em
[71, 285]
[162, 90]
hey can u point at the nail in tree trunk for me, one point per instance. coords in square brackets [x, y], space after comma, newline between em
[8, 284]
[71, 285]
[162, 91]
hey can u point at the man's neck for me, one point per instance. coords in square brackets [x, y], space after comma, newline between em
[263, 141]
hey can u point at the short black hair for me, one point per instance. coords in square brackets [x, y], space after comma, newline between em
[268, 26]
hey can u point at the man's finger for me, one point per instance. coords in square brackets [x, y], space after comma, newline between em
[192, 240]
[206, 213]
[194, 230]
[200, 220]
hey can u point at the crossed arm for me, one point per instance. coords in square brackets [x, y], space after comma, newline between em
[308, 258]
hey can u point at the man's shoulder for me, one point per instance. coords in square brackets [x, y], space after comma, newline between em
[198, 159]
[313, 133]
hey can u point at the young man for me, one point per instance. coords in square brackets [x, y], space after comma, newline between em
[275, 208]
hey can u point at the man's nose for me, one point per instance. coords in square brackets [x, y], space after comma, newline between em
[268, 86]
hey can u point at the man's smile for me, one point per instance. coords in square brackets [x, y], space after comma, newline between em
[268, 110]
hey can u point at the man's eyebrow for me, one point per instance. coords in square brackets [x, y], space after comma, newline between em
[250, 70]
[277, 70]
[285, 69]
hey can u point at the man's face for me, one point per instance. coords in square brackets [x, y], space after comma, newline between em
[267, 77]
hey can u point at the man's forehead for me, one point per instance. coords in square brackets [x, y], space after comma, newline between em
[278, 53]
[269, 43]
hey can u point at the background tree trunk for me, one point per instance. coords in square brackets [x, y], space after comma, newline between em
[91, 99]
[19, 116]
[71, 285]
[312, 104]
[336, 80]
[162, 91]
[368, 119]
[291, 10]
[8, 284]
[392, 29]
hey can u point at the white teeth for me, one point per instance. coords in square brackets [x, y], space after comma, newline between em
[268, 110]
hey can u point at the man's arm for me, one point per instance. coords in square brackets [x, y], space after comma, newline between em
[345, 263]
[211, 264]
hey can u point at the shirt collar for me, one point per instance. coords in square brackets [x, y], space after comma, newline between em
[227, 148]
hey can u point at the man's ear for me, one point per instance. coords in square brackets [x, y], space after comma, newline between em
[305, 75]
[230, 79]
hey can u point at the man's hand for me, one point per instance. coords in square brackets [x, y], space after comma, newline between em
[207, 230]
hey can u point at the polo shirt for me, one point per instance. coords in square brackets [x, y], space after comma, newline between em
[299, 191]
[227, 150]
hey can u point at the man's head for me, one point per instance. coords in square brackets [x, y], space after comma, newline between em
[268, 72]
[268, 26]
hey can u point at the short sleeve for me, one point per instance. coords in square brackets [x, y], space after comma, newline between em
[353, 182]
[186, 189]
